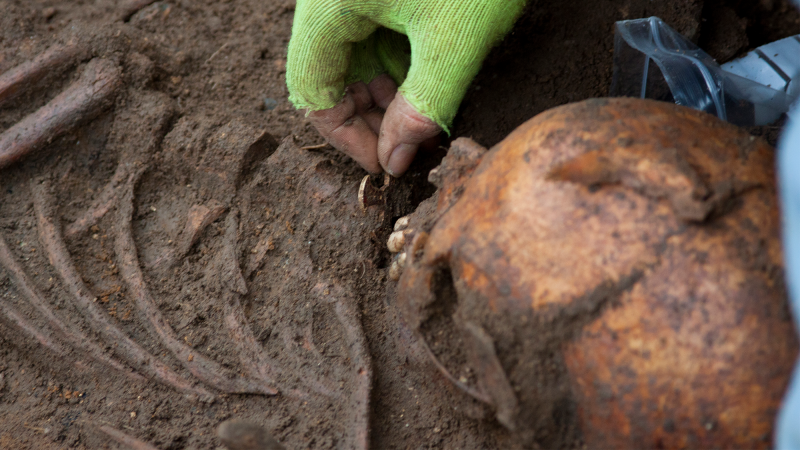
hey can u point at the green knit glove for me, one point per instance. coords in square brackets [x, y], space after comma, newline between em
[337, 42]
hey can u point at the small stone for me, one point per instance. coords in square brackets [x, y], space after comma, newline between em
[270, 103]
[241, 435]
[48, 13]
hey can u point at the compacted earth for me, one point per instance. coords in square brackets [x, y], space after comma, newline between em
[190, 251]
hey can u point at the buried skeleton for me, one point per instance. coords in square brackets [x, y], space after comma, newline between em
[175, 173]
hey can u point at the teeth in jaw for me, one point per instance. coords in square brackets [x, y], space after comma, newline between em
[401, 224]
[395, 271]
[396, 241]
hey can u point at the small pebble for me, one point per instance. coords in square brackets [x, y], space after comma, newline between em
[48, 13]
[270, 103]
[240, 435]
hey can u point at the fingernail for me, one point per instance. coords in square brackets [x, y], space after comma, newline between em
[400, 159]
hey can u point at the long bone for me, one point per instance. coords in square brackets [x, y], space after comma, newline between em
[52, 61]
[348, 316]
[81, 101]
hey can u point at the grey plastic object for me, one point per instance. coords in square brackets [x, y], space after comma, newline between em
[651, 60]
[776, 65]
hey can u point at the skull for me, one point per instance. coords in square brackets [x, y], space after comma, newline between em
[612, 270]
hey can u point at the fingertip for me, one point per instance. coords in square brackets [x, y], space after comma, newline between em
[348, 132]
[402, 131]
[400, 159]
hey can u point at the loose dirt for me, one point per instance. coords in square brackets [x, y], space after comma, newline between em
[279, 253]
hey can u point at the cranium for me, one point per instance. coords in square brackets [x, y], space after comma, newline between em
[613, 264]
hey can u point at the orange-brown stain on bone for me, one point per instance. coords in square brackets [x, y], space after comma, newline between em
[642, 238]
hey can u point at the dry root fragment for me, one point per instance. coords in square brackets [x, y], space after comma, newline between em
[81, 101]
[200, 217]
[126, 440]
[54, 60]
[97, 318]
[27, 289]
[240, 435]
[200, 366]
[257, 255]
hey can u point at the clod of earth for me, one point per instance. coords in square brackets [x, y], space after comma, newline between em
[614, 261]
[243, 435]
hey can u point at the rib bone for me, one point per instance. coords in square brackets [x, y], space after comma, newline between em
[200, 366]
[29, 291]
[97, 318]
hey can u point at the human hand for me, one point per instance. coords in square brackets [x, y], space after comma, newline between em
[348, 57]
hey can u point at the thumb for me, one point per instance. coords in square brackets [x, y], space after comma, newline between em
[402, 131]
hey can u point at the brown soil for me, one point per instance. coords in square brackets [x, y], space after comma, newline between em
[202, 81]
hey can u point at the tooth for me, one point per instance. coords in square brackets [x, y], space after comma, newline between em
[401, 224]
[396, 241]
